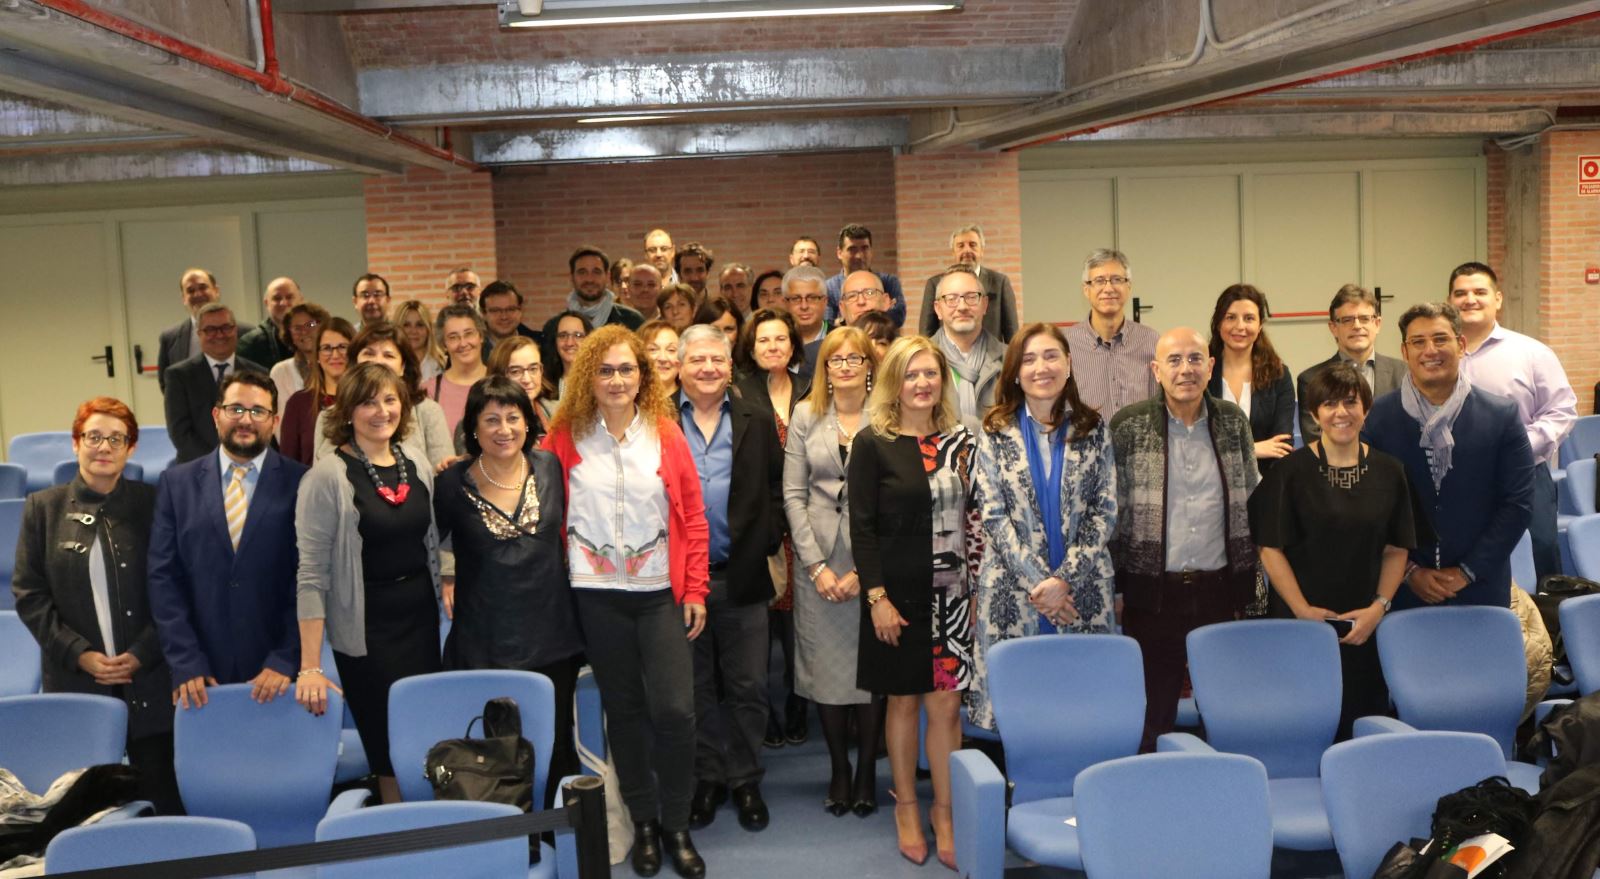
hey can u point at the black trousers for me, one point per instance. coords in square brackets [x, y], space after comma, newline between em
[729, 732]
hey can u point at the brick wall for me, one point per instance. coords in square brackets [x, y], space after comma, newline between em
[1496, 179]
[1569, 308]
[745, 209]
[935, 194]
[423, 224]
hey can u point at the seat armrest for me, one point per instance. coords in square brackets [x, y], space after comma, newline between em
[1377, 724]
[978, 801]
[132, 809]
[348, 802]
[1182, 742]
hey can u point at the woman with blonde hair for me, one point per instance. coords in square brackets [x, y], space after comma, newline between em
[915, 542]
[415, 322]
[638, 557]
[661, 344]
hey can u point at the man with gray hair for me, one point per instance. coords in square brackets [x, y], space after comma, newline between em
[974, 354]
[734, 283]
[192, 384]
[805, 295]
[1000, 318]
[735, 447]
[1111, 355]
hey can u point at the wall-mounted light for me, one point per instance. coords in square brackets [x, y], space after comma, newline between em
[571, 13]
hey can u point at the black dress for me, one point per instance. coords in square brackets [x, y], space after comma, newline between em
[402, 613]
[1333, 536]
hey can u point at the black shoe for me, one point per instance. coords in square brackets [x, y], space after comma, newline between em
[685, 860]
[866, 793]
[703, 808]
[774, 734]
[794, 720]
[838, 801]
[752, 809]
[647, 847]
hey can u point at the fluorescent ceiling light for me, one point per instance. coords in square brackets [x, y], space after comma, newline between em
[613, 120]
[577, 12]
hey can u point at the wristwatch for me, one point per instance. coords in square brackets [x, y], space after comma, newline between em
[1387, 604]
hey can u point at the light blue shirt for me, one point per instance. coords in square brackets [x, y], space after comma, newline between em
[713, 458]
[251, 476]
[1195, 511]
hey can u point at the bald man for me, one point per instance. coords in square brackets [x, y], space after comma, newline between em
[1186, 465]
[862, 292]
[265, 343]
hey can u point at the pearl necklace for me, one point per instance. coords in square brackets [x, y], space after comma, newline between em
[844, 435]
[522, 470]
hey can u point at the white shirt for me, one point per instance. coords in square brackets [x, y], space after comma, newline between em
[1243, 400]
[617, 511]
[101, 590]
[212, 364]
[251, 477]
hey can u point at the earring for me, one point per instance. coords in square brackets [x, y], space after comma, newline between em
[1069, 373]
[830, 387]
[869, 382]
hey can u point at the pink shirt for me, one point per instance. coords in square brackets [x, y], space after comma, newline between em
[451, 397]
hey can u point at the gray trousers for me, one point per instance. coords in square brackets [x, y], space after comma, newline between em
[728, 738]
[640, 654]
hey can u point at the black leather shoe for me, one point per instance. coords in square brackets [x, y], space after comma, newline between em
[647, 847]
[703, 808]
[752, 809]
[685, 860]
[794, 721]
[774, 735]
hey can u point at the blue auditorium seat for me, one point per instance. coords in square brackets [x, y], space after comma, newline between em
[65, 731]
[19, 657]
[39, 452]
[497, 859]
[143, 841]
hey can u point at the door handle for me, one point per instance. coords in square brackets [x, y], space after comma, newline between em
[106, 358]
[1378, 294]
[138, 360]
[1139, 309]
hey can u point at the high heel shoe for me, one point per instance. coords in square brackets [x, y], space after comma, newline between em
[866, 796]
[944, 833]
[838, 801]
[908, 831]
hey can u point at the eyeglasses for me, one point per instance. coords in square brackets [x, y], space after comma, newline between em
[334, 349]
[1356, 320]
[951, 300]
[869, 293]
[218, 332]
[236, 412]
[1107, 281]
[505, 311]
[626, 370]
[96, 440]
[1421, 343]
[517, 373]
[571, 336]
[840, 361]
[463, 287]
[1177, 360]
[809, 299]
[372, 295]
[305, 327]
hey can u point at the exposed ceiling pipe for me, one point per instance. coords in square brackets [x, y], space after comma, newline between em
[1454, 48]
[269, 79]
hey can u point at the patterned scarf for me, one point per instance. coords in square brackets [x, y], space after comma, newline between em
[966, 367]
[598, 312]
[1438, 422]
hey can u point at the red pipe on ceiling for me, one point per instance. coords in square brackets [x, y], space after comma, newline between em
[270, 80]
[1465, 46]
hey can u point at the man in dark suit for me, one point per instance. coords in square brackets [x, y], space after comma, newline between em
[222, 555]
[735, 446]
[198, 288]
[1354, 318]
[966, 249]
[192, 386]
[1468, 460]
[266, 343]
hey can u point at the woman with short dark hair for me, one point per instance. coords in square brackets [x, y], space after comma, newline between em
[767, 291]
[722, 313]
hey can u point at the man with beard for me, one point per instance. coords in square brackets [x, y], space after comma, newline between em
[974, 354]
[805, 251]
[222, 555]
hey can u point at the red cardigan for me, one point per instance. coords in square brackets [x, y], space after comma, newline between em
[688, 536]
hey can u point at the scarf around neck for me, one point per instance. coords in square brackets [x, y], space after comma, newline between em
[1047, 489]
[966, 367]
[1438, 422]
[598, 312]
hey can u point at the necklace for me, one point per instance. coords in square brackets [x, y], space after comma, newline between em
[845, 435]
[516, 485]
[394, 496]
[1342, 477]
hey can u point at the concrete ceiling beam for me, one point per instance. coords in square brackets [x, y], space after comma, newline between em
[637, 143]
[114, 166]
[1364, 123]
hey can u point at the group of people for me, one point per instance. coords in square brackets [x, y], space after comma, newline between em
[664, 497]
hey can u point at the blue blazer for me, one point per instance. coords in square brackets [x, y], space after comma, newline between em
[1483, 506]
[218, 612]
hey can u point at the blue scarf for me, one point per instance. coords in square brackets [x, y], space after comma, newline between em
[1048, 492]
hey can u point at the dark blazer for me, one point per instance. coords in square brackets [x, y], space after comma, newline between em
[191, 393]
[174, 348]
[56, 602]
[753, 388]
[1271, 408]
[223, 613]
[262, 344]
[1387, 370]
[1480, 511]
[756, 523]
[1001, 320]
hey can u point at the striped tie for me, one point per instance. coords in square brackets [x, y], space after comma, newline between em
[237, 504]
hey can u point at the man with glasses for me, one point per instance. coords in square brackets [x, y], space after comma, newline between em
[1468, 460]
[855, 255]
[805, 296]
[974, 354]
[193, 384]
[1111, 354]
[805, 252]
[501, 304]
[1354, 318]
[222, 561]
[267, 343]
[862, 292]
[370, 296]
[734, 442]
[966, 248]
[1186, 464]
[461, 287]
[198, 288]
[659, 252]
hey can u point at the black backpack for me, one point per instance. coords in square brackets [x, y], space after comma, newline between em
[497, 768]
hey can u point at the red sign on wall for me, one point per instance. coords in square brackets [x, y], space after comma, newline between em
[1589, 175]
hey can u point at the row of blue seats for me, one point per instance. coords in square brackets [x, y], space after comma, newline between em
[1266, 689]
[36, 461]
[271, 767]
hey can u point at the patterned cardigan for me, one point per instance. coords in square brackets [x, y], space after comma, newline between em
[1139, 549]
[1017, 554]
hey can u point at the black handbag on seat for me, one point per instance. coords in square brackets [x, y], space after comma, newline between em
[497, 768]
